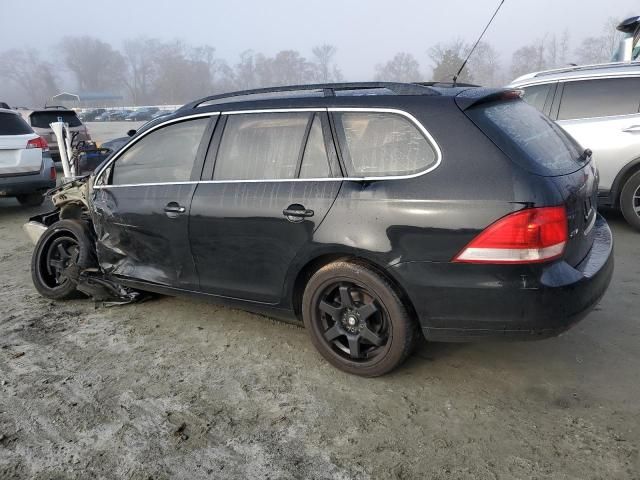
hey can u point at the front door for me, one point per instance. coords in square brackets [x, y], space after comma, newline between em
[275, 178]
[142, 201]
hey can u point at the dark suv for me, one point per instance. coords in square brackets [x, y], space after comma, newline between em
[370, 211]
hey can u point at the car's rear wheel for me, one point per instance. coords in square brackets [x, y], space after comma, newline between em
[356, 319]
[630, 200]
[30, 199]
[62, 251]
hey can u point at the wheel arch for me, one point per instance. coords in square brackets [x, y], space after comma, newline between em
[313, 265]
[618, 183]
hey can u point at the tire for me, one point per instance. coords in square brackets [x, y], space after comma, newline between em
[31, 199]
[54, 274]
[356, 319]
[630, 201]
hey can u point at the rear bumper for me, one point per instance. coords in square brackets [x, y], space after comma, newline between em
[25, 184]
[463, 302]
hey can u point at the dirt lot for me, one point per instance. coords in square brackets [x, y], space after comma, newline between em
[103, 131]
[176, 388]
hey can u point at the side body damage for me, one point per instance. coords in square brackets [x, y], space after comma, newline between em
[72, 203]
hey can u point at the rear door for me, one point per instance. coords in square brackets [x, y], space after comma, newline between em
[15, 157]
[602, 114]
[141, 204]
[274, 179]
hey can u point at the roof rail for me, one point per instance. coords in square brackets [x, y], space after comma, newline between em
[328, 89]
[446, 84]
[593, 66]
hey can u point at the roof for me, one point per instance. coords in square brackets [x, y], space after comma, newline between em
[8, 110]
[580, 71]
[319, 90]
[85, 96]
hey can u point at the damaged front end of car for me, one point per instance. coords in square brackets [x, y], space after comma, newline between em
[72, 202]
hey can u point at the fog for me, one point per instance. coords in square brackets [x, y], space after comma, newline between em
[365, 35]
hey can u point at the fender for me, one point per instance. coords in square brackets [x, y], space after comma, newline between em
[612, 197]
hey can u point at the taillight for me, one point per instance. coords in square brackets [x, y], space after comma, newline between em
[38, 143]
[52, 173]
[531, 235]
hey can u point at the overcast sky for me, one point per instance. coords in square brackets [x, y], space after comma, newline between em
[366, 32]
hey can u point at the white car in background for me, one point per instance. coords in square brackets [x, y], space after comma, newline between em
[26, 168]
[599, 106]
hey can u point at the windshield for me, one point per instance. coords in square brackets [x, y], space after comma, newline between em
[44, 118]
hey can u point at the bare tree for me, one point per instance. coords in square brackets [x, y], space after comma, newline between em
[173, 68]
[529, 58]
[139, 59]
[244, 73]
[403, 67]
[599, 49]
[325, 69]
[485, 65]
[95, 64]
[26, 70]
[288, 67]
[447, 59]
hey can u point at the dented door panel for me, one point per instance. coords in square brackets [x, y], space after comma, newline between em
[137, 238]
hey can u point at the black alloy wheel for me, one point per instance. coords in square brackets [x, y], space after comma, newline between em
[62, 251]
[62, 256]
[357, 320]
[355, 324]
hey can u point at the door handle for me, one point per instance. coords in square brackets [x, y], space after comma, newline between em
[632, 129]
[296, 212]
[173, 209]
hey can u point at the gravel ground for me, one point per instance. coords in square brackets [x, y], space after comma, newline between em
[177, 388]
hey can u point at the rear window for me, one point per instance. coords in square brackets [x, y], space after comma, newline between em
[44, 119]
[528, 137]
[12, 124]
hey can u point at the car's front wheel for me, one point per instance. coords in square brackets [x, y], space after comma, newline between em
[630, 200]
[356, 319]
[62, 251]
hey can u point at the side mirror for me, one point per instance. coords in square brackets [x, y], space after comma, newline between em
[131, 133]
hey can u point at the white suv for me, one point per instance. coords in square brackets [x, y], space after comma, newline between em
[599, 105]
[26, 168]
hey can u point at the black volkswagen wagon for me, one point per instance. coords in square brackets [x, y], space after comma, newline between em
[372, 212]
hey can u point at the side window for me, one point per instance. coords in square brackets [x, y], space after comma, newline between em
[536, 95]
[599, 98]
[164, 155]
[261, 146]
[315, 162]
[380, 144]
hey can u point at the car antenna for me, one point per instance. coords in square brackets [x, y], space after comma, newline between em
[455, 77]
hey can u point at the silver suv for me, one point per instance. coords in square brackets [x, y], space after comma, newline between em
[40, 120]
[599, 105]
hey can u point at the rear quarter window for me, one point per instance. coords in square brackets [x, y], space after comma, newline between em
[44, 119]
[12, 124]
[528, 137]
[376, 144]
[536, 95]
